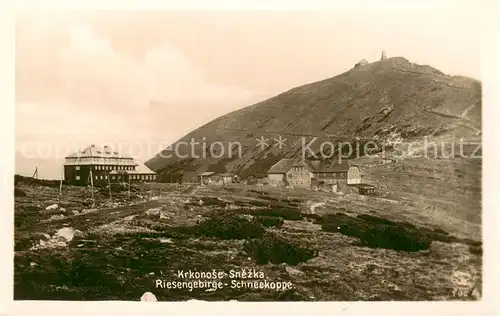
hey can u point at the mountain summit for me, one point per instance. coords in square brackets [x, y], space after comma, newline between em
[387, 98]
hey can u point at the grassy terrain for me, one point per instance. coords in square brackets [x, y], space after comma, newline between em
[338, 252]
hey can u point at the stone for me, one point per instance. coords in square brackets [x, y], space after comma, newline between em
[78, 233]
[52, 207]
[148, 297]
[313, 207]
[129, 218]
[66, 233]
[153, 211]
[294, 272]
[163, 215]
[56, 217]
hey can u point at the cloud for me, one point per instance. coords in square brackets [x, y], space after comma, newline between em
[80, 90]
[87, 71]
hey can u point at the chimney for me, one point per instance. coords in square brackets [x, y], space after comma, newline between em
[384, 56]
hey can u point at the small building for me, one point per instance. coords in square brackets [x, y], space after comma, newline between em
[102, 165]
[213, 178]
[314, 174]
[276, 175]
[226, 178]
[364, 188]
[205, 177]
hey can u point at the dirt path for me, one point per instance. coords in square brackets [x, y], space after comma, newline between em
[97, 217]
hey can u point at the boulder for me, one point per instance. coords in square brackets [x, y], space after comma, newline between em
[294, 272]
[313, 207]
[148, 297]
[56, 217]
[52, 207]
[67, 234]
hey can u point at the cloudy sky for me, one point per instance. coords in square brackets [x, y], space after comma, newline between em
[138, 77]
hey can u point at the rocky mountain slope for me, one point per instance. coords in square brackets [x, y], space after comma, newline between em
[384, 100]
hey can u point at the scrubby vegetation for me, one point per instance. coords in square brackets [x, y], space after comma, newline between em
[19, 193]
[122, 250]
[230, 227]
[476, 250]
[397, 238]
[269, 221]
[41, 182]
[274, 249]
[379, 232]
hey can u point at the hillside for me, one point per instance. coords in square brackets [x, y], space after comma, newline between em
[385, 100]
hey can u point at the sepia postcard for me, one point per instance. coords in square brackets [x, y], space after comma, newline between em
[248, 156]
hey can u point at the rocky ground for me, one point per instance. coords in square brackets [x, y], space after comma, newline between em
[324, 246]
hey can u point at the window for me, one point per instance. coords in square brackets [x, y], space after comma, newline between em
[77, 168]
[102, 177]
[96, 177]
[77, 177]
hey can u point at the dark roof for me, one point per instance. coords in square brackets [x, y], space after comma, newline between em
[282, 166]
[336, 167]
[207, 174]
[327, 167]
[143, 169]
[314, 166]
[257, 175]
[363, 185]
